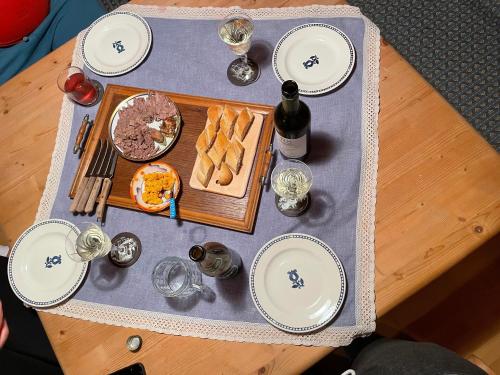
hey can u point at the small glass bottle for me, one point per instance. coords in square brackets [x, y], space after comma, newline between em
[215, 260]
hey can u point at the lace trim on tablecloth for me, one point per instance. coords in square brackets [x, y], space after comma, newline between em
[365, 227]
[365, 232]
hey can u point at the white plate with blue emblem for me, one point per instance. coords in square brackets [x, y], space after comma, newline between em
[116, 43]
[40, 272]
[318, 56]
[297, 283]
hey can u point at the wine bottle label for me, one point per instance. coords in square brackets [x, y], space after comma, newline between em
[292, 148]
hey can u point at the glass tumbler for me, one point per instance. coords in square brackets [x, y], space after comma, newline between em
[177, 277]
[78, 87]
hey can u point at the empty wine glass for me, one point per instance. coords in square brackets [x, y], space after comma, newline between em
[291, 180]
[236, 31]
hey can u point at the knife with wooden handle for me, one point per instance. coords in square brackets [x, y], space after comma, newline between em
[85, 180]
[79, 193]
[106, 188]
[85, 195]
[94, 193]
[87, 205]
[92, 177]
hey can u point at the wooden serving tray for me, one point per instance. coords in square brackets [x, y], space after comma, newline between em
[192, 204]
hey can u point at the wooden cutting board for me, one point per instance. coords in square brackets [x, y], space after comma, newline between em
[238, 186]
[192, 204]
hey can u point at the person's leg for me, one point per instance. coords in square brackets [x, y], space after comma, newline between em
[387, 356]
[13, 362]
[27, 344]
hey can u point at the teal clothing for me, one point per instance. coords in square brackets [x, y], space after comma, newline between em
[65, 20]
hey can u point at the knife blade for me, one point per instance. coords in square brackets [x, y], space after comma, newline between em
[87, 205]
[80, 134]
[106, 187]
[84, 181]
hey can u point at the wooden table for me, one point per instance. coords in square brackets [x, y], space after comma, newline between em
[438, 200]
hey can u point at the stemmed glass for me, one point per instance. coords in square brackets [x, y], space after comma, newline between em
[91, 243]
[291, 180]
[236, 31]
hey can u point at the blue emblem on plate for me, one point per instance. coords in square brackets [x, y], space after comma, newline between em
[52, 261]
[118, 46]
[312, 60]
[297, 281]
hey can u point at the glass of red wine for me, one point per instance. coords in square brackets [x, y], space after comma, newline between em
[80, 88]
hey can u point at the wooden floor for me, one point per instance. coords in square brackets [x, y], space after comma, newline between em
[460, 310]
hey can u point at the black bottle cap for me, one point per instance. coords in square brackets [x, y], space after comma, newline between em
[289, 89]
[197, 253]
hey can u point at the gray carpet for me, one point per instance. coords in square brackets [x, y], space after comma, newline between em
[454, 45]
[111, 5]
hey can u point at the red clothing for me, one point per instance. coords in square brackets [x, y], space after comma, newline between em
[19, 18]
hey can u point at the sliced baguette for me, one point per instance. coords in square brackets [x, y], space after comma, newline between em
[234, 156]
[225, 175]
[245, 120]
[216, 157]
[227, 121]
[211, 134]
[221, 144]
[214, 114]
[201, 143]
[205, 169]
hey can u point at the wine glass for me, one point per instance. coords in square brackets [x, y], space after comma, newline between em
[79, 87]
[291, 180]
[91, 243]
[236, 31]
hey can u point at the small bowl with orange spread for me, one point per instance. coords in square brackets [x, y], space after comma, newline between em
[153, 185]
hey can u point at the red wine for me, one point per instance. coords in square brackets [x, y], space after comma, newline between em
[80, 89]
[292, 121]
